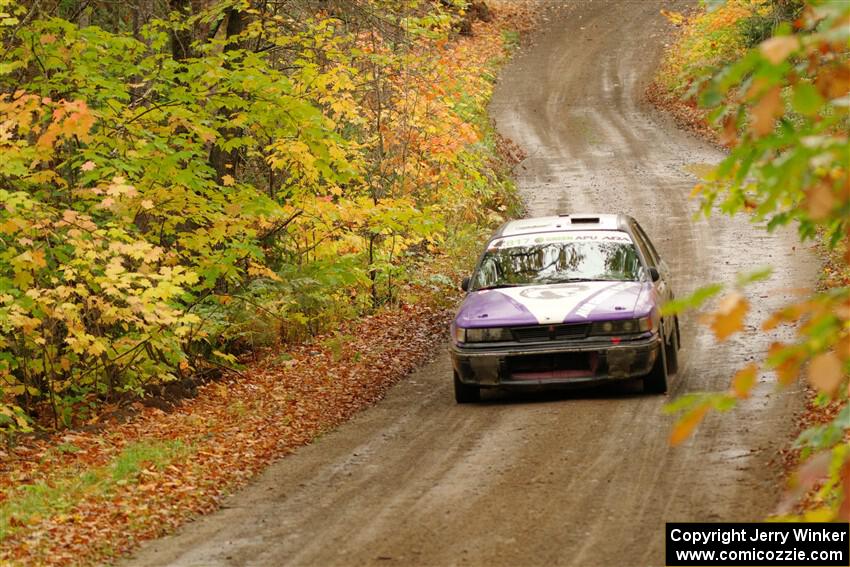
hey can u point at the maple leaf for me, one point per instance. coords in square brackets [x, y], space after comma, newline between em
[38, 259]
[744, 380]
[729, 316]
[729, 133]
[788, 363]
[825, 372]
[777, 49]
[820, 200]
[764, 113]
[686, 425]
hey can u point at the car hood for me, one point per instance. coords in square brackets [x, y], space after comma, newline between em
[577, 302]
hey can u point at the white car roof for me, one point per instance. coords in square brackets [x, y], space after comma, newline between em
[561, 223]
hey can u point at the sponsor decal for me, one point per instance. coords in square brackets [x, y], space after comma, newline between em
[552, 304]
[560, 237]
[553, 291]
[593, 302]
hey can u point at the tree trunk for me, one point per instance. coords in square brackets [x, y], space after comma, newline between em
[181, 40]
[226, 162]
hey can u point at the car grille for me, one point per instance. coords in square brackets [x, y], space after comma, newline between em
[538, 333]
[555, 366]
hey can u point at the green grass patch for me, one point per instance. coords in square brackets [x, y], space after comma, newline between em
[510, 38]
[31, 503]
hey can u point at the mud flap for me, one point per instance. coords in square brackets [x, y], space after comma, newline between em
[485, 370]
[620, 362]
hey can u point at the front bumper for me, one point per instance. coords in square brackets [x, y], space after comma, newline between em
[554, 363]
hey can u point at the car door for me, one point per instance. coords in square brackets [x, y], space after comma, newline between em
[663, 285]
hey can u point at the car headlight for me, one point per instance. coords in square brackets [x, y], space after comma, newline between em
[622, 327]
[489, 335]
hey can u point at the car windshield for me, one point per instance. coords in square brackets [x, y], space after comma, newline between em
[559, 258]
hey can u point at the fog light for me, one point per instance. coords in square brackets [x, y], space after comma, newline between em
[459, 335]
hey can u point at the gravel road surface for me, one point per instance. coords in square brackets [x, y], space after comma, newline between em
[582, 478]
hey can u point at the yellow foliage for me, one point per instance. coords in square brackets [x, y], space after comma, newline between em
[729, 316]
[744, 380]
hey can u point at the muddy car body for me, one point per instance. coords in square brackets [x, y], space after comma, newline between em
[563, 301]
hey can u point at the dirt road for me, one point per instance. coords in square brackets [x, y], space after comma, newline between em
[582, 479]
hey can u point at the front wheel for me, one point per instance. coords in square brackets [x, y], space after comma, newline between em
[466, 393]
[656, 381]
[672, 349]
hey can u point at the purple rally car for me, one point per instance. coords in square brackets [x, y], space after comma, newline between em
[565, 300]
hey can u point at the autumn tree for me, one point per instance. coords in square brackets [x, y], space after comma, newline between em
[782, 108]
[185, 180]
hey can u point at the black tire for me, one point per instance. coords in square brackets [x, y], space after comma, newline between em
[678, 334]
[672, 349]
[466, 393]
[656, 381]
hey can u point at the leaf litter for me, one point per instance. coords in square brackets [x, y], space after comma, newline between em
[178, 464]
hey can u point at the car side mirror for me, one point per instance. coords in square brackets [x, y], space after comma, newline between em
[654, 273]
[464, 284]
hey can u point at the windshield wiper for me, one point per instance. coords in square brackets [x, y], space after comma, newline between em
[569, 280]
[501, 285]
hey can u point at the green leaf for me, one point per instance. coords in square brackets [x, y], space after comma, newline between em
[760, 274]
[806, 99]
[710, 98]
[693, 301]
